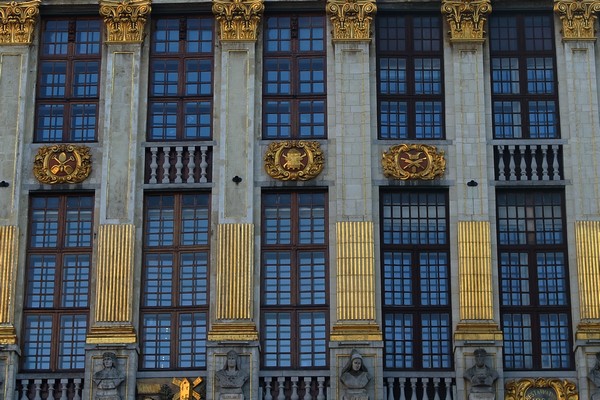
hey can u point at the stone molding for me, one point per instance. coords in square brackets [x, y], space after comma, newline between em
[578, 18]
[17, 22]
[351, 19]
[125, 20]
[466, 19]
[238, 19]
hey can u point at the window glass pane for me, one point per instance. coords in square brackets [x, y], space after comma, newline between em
[312, 284]
[76, 280]
[397, 279]
[156, 341]
[193, 279]
[277, 281]
[192, 340]
[71, 352]
[53, 79]
[50, 122]
[313, 346]
[277, 340]
[158, 284]
[55, 37]
[41, 281]
[199, 37]
[85, 79]
[399, 340]
[37, 343]
[554, 332]
[437, 348]
[434, 279]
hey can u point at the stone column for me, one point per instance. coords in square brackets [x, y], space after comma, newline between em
[478, 326]
[356, 326]
[17, 28]
[112, 326]
[233, 326]
[580, 124]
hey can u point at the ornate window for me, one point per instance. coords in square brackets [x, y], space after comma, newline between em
[410, 77]
[534, 280]
[56, 309]
[294, 70]
[175, 295]
[415, 254]
[181, 79]
[523, 67]
[294, 306]
[68, 80]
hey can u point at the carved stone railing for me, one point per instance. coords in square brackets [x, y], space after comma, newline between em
[404, 388]
[301, 386]
[178, 163]
[528, 160]
[37, 389]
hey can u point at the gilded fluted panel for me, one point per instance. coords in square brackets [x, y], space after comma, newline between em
[475, 271]
[8, 265]
[115, 273]
[235, 270]
[355, 271]
[588, 267]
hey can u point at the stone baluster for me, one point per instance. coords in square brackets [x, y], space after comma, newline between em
[203, 164]
[191, 164]
[511, 165]
[64, 387]
[545, 175]
[413, 385]
[307, 388]
[281, 383]
[523, 164]
[402, 388]
[501, 166]
[555, 168]
[534, 164]
[178, 164]
[166, 164]
[268, 395]
[390, 388]
[38, 389]
[153, 164]
[321, 383]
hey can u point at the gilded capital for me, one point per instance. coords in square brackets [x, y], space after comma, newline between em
[17, 21]
[351, 19]
[125, 20]
[466, 19]
[578, 18]
[238, 19]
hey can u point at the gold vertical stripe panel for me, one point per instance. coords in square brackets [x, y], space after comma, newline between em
[115, 273]
[588, 267]
[8, 265]
[235, 271]
[355, 271]
[475, 271]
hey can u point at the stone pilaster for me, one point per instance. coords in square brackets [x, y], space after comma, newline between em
[578, 18]
[466, 19]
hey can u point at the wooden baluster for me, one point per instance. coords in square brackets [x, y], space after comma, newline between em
[191, 165]
[166, 164]
[153, 164]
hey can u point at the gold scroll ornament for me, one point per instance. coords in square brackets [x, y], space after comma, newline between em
[466, 19]
[17, 21]
[294, 160]
[413, 161]
[238, 19]
[578, 18]
[125, 19]
[541, 388]
[63, 163]
[351, 19]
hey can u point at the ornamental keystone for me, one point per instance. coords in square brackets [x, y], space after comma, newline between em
[238, 19]
[351, 19]
[125, 20]
[578, 18]
[17, 21]
[466, 19]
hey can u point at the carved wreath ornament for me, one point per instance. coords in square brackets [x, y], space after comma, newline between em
[62, 163]
[413, 161]
[294, 160]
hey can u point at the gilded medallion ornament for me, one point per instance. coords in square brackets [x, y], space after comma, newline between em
[351, 19]
[125, 20]
[541, 388]
[63, 163]
[578, 18]
[294, 160]
[186, 388]
[238, 19]
[413, 161]
[466, 19]
[17, 21]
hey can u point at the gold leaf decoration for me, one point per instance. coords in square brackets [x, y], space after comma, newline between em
[351, 19]
[413, 161]
[294, 160]
[238, 19]
[63, 163]
[17, 21]
[466, 19]
[125, 20]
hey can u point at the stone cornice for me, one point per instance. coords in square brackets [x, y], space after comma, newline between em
[238, 19]
[466, 19]
[351, 19]
[578, 18]
[125, 20]
[17, 21]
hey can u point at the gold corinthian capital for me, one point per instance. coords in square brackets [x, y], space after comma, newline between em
[466, 19]
[125, 20]
[238, 19]
[351, 19]
[17, 21]
[578, 18]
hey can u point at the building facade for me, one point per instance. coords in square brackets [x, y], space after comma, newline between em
[192, 191]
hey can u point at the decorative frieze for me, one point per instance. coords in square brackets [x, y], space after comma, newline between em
[351, 19]
[238, 19]
[294, 160]
[413, 161]
[578, 18]
[62, 163]
[17, 21]
[125, 20]
[466, 19]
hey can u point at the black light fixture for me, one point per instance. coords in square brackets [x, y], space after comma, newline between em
[472, 183]
[3, 184]
[236, 179]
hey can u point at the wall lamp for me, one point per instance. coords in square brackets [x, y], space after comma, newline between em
[3, 184]
[472, 183]
[236, 179]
